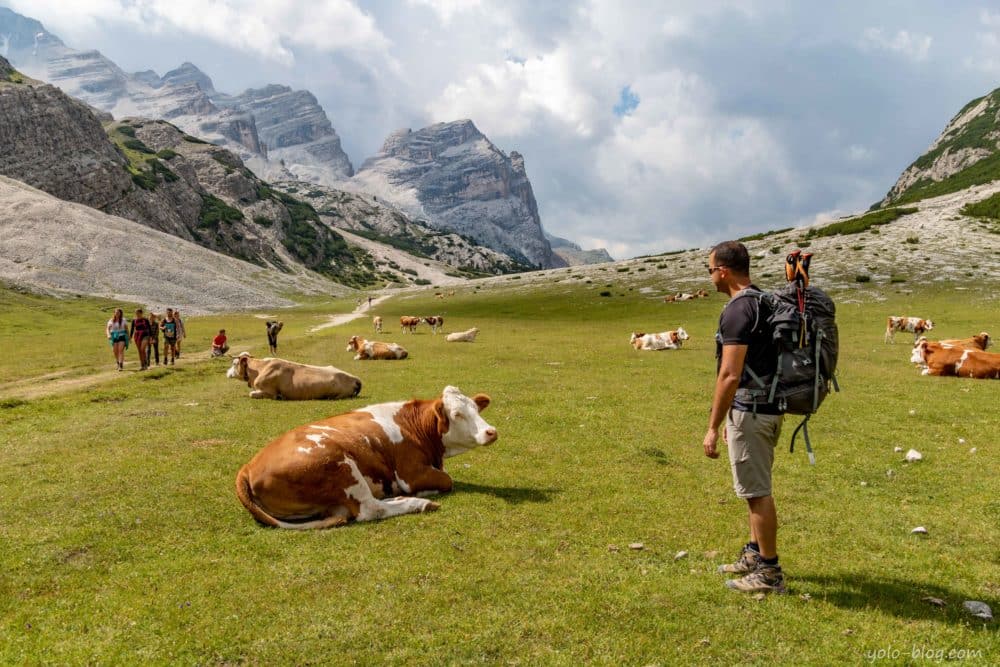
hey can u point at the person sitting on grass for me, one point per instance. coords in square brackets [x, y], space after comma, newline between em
[219, 345]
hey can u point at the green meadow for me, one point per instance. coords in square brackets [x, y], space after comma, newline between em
[123, 541]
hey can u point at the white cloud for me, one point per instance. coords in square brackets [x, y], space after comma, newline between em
[986, 57]
[266, 28]
[858, 153]
[912, 46]
[447, 9]
[506, 98]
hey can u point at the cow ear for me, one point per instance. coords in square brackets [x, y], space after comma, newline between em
[441, 416]
[482, 401]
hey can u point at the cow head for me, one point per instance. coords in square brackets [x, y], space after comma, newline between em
[459, 423]
[355, 344]
[681, 334]
[635, 340]
[919, 352]
[928, 325]
[983, 340]
[238, 369]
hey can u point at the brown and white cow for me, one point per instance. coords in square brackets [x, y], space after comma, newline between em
[372, 463]
[940, 359]
[667, 340]
[408, 324]
[467, 336]
[377, 324]
[435, 322]
[371, 349]
[915, 325]
[278, 378]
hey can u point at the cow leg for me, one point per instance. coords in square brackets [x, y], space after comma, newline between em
[424, 481]
[371, 508]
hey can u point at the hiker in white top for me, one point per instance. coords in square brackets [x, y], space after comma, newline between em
[117, 333]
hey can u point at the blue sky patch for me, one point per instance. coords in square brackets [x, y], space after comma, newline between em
[627, 103]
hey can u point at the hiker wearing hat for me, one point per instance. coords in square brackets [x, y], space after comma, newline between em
[744, 349]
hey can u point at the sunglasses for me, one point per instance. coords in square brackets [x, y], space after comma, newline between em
[713, 269]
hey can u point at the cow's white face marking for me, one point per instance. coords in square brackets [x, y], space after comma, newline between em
[466, 427]
[918, 355]
[683, 335]
[384, 414]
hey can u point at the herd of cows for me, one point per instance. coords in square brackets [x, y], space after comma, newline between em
[961, 357]
[384, 460]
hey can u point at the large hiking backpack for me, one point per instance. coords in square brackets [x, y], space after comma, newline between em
[802, 324]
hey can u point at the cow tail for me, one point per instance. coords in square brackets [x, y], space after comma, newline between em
[245, 494]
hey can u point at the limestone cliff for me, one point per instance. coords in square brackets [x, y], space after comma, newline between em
[453, 177]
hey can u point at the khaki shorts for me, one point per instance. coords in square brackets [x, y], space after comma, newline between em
[751, 439]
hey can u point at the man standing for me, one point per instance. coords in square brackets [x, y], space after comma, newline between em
[746, 356]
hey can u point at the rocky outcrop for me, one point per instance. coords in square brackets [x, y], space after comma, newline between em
[53, 142]
[365, 216]
[295, 130]
[453, 177]
[971, 137]
[574, 255]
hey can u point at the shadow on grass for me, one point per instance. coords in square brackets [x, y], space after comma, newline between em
[898, 597]
[515, 495]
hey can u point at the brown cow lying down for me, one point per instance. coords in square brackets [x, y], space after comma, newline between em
[370, 349]
[980, 341]
[941, 359]
[355, 466]
[278, 378]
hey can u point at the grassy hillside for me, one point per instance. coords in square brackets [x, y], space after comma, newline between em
[124, 542]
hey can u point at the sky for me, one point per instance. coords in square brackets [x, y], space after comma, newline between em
[645, 126]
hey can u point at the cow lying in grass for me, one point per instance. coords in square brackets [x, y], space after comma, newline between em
[980, 341]
[370, 349]
[278, 378]
[363, 465]
[467, 336]
[941, 359]
[667, 340]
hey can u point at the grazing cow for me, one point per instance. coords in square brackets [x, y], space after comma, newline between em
[354, 466]
[370, 349]
[941, 359]
[278, 378]
[462, 336]
[408, 324]
[668, 340]
[915, 325]
[435, 322]
[980, 341]
[272, 335]
[377, 323]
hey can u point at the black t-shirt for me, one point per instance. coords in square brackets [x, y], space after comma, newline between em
[741, 324]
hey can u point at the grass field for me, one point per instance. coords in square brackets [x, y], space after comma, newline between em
[124, 543]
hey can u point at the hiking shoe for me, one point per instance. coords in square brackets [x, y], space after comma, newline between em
[764, 579]
[748, 561]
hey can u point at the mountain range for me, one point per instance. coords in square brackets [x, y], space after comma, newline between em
[447, 176]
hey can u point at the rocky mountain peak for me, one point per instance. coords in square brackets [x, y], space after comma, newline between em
[966, 153]
[187, 74]
[454, 177]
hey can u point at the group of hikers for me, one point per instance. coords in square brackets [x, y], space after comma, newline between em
[145, 332]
